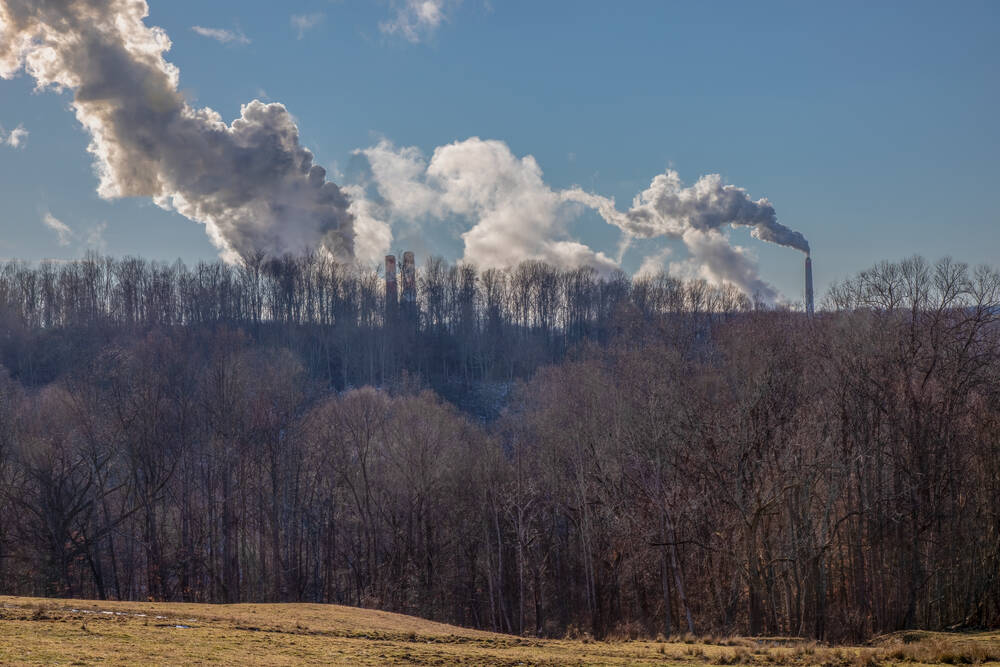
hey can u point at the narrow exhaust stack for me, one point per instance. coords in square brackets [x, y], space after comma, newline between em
[809, 285]
[409, 279]
[391, 291]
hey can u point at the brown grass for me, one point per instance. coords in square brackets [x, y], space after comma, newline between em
[939, 648]
[67, 632]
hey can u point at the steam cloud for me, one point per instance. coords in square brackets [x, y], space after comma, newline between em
[255, 187]
[62, 230]
[695, 215]
[515, 215]
[667, 208]
[66, 235]
[251, 183]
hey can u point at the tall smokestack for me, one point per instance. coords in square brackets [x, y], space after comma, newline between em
[809, 285]
[409, 279]
[391, 291]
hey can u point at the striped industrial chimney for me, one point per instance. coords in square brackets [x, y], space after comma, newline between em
[809, 285]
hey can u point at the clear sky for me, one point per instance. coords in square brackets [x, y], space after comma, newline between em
[870, 126]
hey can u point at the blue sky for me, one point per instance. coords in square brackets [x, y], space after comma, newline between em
[871, 127]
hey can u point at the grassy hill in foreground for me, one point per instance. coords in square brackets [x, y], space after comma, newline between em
[45, 631]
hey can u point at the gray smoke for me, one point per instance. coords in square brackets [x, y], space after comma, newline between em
[255, 187]
[512, 214]
[667, 208]
[697, 215]
[252, 184]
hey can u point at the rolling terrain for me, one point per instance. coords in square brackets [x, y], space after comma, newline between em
[75, 632]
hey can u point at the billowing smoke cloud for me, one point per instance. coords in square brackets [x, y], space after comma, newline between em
[515, 215]
[256, 188]
[373, 235]
[714, 258]
[667, 208]
[654, 263]
[252, 184]
[695, 215]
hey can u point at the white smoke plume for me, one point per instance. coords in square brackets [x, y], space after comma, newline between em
[92, 238]
[667, 208]
[695, 215]
[255, 187]
[64, 233]
[373, 235]
[514, 214]
[654, 263]
[714, 258]
[251, 183]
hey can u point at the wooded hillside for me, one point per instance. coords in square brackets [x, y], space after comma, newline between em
[544, 451]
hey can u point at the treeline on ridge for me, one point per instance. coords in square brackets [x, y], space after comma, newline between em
[466, 326]
[668, 457]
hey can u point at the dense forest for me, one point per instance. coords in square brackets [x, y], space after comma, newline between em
[534, 450]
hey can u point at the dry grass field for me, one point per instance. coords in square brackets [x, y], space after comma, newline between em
[76, 632]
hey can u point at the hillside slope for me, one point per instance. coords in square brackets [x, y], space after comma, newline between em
[45, 631]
